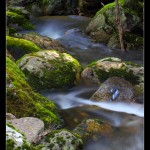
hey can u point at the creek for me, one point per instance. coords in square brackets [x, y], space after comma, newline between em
[75, 104]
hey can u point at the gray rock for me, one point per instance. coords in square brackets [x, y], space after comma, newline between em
[115, 89]
[30, 126]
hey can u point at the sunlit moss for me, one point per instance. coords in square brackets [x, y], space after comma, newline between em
[14, 18]
[22, 101]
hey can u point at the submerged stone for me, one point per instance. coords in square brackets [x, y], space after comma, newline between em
[92, 128]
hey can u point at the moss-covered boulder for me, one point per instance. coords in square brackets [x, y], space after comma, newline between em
[18, 20]
[22, 101]
[63, 140]
[90, 129]
[102, 69]
[103, 25]
[19, 47]
[115, 89]
[43, 42]
[50, 69]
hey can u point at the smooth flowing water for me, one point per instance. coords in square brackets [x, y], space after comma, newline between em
[68, 31]
[75, 103]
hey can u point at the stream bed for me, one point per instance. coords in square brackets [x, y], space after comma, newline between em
[75, 104]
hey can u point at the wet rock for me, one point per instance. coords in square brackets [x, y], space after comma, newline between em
[43, 42]
[30, 126]
[115, 89]
[99, 71]
[19, 47]
[50, 69]
[62, 139]
[92, 128]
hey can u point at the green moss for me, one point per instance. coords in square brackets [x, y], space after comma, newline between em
[14, 18]
[11, 126]
[22, 101]
[132, 64]
[134, 7]
[19, 47]
[19, 12]
[63, 74]
[122, 72]
[10, 144]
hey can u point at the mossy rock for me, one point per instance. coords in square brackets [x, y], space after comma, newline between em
[43, 42]
[17, 19]
[22, 101]
[131, 16]
[50, 69]
[101, 70]
[92, 128]
[20, 11]
[19, 47]
[63, 139]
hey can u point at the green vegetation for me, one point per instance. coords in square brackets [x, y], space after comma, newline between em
[18, 11]
[22, 101]
[61, 73]
[120, 72]
[14, 18]
[19, 47]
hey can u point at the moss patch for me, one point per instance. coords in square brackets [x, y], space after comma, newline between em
[22, 101]
[19, 47]
[14, 18]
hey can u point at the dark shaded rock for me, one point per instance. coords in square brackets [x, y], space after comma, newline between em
[115, 89]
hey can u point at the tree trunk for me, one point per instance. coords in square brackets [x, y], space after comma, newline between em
[119, 25]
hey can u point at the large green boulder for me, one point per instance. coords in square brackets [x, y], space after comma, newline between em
[103, 25]
[22, 101]
[19, 47]
[50, 69]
